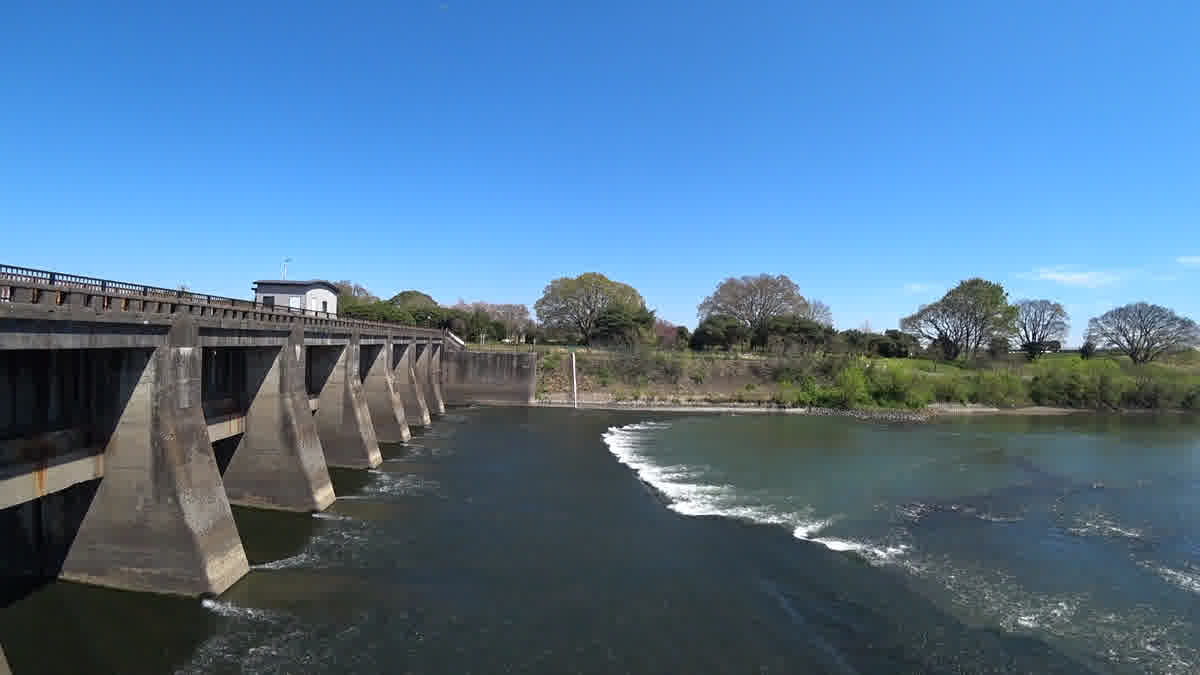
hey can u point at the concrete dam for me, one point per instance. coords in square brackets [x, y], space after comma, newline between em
[132, 417]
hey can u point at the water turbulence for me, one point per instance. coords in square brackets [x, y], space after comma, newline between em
[1032, 533]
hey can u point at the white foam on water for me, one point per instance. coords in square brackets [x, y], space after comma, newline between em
[325, 515]
[292, 562]
[1100, 525]
[1132, 639]
[688, 494]
[1188, 581]
[234, 611]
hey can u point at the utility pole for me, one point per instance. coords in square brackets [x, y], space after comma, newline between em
[283, 269]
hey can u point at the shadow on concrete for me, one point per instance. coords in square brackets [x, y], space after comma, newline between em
[319, 365]
[269, 535]
[348, 481]
[87, 390]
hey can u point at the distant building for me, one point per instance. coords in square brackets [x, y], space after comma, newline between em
[316, 295]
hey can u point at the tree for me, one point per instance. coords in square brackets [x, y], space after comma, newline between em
[574, 304]
[683, 336]
[793, 331]
[719, 331]
[348, 290]
[818, 312]
[1038, 324]
[998, 347]
[754, 300]
[413, 299]
[1143, 331]
[622, 326]
[963, 320]
[1087, 350]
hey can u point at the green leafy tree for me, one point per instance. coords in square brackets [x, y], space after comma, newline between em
[720, 331]
[965, 319]
[755, 300]
[575, 304]
[1087, 350]
[412, 299]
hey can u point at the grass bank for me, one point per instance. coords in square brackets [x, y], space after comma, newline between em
[855, 382]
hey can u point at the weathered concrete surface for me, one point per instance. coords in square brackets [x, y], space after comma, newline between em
[434, 382]
[423, 374]
[4, 664]
[343, 419]
[489, 377]
[160, 520]
[405, 380]
[279, 462]
[383, 397]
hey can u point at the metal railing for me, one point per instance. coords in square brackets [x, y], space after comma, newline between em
[178, 295]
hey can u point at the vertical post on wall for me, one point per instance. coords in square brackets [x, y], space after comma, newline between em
[574, 384]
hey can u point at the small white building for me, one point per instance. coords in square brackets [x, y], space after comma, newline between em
[316, 295]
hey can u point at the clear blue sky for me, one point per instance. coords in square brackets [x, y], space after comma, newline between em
[876, 152]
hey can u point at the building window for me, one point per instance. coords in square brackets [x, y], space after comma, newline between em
[324, 306]
[268, 300]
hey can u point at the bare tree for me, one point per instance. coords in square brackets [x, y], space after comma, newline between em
[349, 289]
[754, 300]
[1143, 331]
[817, 311]
[1038, 323]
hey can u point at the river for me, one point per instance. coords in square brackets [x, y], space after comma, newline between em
[522, 540]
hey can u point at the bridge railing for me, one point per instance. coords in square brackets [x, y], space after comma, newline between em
[111, 288]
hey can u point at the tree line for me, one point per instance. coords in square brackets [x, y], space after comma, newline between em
[769, 313]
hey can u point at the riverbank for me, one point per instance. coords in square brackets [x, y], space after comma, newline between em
[925, 414]
[835, 381]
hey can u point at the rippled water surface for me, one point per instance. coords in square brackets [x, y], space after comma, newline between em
[522, 540]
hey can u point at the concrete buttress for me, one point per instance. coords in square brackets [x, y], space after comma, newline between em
[434, 398]
[343, 419]
[4, 664]
[411, 393]
[383, 396]
[160, 520]
[279, 462]
[423, 373]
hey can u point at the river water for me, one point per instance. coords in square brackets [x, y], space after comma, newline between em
[522, 540]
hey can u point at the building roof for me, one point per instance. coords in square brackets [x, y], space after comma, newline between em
[296, 282]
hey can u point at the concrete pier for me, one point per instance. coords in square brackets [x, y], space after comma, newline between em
[434, 398]
[383, 395]
[4, 664]
[343, 419]
[113, 394]
[160, 520]
[423, 372]
[411, 394]
[279, 462]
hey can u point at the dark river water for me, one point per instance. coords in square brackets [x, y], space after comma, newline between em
[522, 540]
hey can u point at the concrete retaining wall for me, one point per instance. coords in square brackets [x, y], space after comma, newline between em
[489, 377]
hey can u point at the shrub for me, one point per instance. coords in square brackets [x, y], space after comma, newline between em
[951, 389]
[851, 387]
[997, 387]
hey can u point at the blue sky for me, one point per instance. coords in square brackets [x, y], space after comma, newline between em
[875, 152]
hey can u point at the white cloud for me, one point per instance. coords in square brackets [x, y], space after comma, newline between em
[1188, 260]
[917, 287]
[1068, 276]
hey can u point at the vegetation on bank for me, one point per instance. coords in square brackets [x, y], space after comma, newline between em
[1106, 382]
[759, 340]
